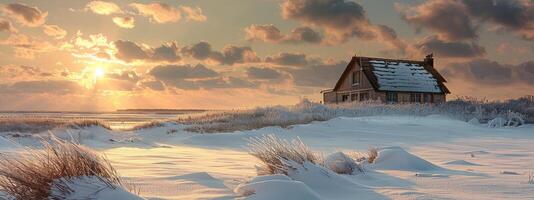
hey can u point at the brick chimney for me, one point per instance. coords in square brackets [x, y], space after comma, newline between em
[429, 60]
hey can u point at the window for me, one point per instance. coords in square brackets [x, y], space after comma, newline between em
[364, 96]
[391, 97]
[344, 97]
[356, 78]
[415, 97]
[354, 96]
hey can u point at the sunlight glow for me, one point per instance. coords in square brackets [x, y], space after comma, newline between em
[99, 72]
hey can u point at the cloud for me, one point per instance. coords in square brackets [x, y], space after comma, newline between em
[179, 72]
[163, 13]
[448, 19]
[433, 44]
[26, 15]
[341, 21]
[158, 12]
[461, 19]
[154, 85]
[124, 22]
[229, 55]
[270, 33]
[26, 46]
[54, 31]
[22, 72]
[263, 73]
[483, 71]
[194, 14]
[130, 51]
[317, 74]
[199, 77]
[42, 86]
[7, 26]
[103, 7]
[291, 59]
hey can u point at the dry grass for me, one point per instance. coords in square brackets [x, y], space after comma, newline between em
[372, 154]
[274, 154]
[306, 111]
[35, 124]
[148, 125]
[31, 174]
[531, 177]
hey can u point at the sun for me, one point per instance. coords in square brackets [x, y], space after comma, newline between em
[99, 72]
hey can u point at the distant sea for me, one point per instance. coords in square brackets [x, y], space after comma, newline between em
[121, 119]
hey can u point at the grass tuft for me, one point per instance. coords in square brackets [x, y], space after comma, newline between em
[32, 173]
[274, 154]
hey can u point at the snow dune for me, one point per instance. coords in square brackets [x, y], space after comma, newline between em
[419, 158]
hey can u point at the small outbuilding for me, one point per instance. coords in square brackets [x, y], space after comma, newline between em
[388, 80]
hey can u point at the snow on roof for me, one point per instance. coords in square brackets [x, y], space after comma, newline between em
[404, 77]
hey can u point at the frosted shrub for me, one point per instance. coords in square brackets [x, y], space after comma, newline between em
[31, 174]
[342, 164]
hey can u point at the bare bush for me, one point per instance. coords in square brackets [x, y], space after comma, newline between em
[274, 154]
[31, 174]
[341, 163]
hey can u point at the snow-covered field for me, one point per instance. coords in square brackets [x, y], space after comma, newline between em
[431, 157]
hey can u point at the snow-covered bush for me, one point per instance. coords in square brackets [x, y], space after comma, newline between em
[51, 172]
[275, 153]
[342, 164]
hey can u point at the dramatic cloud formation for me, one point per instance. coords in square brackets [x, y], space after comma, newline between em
[54, 31]
[460, 19]
[484, 71]
[229, 55]
[440, 48]
[7, 26]
[164, 13]
[124, 22]
[130, 51]
[26, 15]
[269, 33]
[103, 7]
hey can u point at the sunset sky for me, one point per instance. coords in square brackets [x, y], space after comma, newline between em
[224, 54]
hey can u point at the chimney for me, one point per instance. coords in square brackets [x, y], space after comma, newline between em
[429, 60]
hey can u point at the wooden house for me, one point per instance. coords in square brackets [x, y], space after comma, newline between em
[388, 80]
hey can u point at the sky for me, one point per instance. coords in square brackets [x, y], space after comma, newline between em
[72, 55]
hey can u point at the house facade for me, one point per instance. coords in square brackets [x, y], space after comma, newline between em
[388, 80]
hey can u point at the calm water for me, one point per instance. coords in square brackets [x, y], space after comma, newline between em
[116, 120]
